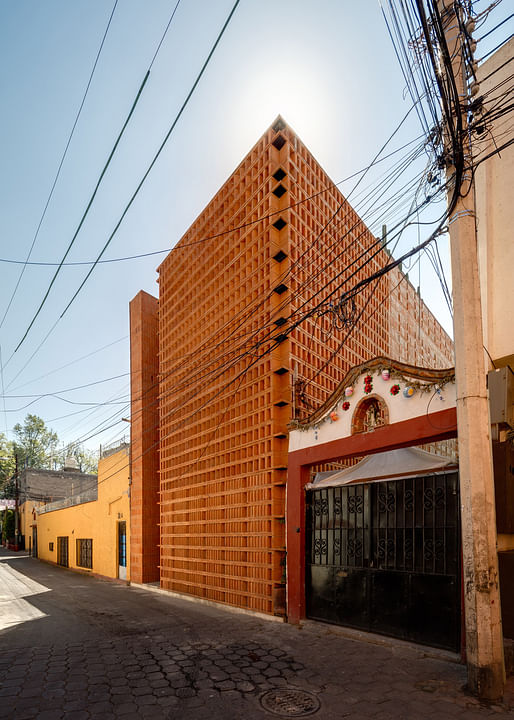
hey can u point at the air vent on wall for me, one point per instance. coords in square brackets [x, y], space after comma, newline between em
[279, 190]
[279, 224]
[279, 142]
[279, 256]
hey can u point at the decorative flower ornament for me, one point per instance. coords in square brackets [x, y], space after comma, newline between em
[334, 416]
[368, 384]
[346, 405]
[386, 374]
[348, 391]
[409, 391]
[394, 390]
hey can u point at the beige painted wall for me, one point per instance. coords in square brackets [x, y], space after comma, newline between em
[28, 520]
[495, 213]
[97, 520]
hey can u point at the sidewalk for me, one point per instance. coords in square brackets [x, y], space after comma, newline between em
[94, 649]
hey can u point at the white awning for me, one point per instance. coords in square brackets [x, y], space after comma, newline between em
[391, 465]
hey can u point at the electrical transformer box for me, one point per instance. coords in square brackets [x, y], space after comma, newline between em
[501, 396]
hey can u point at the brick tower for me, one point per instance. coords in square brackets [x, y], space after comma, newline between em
[276, 246]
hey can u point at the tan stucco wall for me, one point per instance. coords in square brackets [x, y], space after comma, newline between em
[495, 214]
[398, 407]
[97, 520]
[27, 520]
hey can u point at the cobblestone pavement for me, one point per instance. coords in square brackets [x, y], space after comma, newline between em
[95, 649]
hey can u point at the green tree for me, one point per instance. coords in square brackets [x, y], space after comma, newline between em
[35, 444]
[8, 526]
[7, 467]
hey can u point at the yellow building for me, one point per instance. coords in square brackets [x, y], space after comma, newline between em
[40, 486]
[91, 535]
[28, 522]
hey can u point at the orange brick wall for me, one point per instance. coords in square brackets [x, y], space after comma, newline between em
[144, 487]
[415, 335]
[252, 264]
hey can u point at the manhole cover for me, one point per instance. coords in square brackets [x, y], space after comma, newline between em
[290, 702]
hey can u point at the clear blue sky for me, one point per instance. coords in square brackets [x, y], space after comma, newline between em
[328, 67]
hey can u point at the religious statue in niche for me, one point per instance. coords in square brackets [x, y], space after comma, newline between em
[369, 414]
[372, 417]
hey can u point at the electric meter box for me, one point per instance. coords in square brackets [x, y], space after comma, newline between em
[501, 396]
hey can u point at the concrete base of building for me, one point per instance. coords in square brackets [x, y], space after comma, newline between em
[508, 649]
[418, 651]
[154, 587]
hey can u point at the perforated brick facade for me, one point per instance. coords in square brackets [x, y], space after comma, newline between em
[415, 336]
[277, 240]
[144, 444]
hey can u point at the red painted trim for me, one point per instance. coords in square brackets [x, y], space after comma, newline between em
[416, 431]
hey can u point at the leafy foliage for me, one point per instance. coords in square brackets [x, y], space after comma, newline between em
[35, 444]
[7, 467]
[8, 526]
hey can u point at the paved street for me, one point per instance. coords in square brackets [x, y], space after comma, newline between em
[72, 646]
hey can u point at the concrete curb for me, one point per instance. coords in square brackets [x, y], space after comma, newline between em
[209, 603]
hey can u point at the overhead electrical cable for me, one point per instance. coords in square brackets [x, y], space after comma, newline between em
[202, 370]
[75, 387]
[491, 52]
[56, 178]
[73, 362]
[102, 174]
[202, 374]
[225, 339]
[85, 213]
[154, 160]
[138, 188]
[495, 27]
[254, 359]
[216, 235]
[271, 342]
[250, 353]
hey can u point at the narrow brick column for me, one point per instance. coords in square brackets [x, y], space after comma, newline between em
[144, 489]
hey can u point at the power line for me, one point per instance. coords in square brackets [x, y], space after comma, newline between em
[70, 402]
[76, 387]
[491, 52]
[154, 160]
[138, 188]
[84, 215]
[252, 353]
[496, 27]
[164, 35]
[267, 216]
[72, 362]
[370, 165]
[338, 239]
[104, 169]
[25, 263]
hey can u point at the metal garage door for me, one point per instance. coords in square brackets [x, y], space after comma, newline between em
[385, 557]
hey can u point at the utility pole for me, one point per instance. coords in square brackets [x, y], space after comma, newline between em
[484, 638]
[16, 503]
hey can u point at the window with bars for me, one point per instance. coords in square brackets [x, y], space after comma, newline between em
[85, 553]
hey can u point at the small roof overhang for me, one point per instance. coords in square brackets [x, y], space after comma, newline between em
[392, 465]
